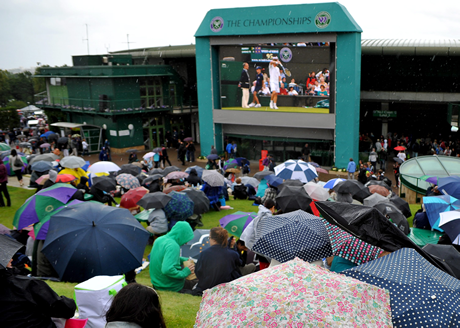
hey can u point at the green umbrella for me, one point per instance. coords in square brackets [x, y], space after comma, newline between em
[4, 146]
[235, 223]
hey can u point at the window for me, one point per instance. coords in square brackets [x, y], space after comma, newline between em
[151, 92]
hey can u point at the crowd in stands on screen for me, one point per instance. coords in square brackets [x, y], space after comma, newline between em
[292, 92]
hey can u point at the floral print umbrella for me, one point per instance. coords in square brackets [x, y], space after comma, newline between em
[295, 294]
[127, 181]
[180, 207]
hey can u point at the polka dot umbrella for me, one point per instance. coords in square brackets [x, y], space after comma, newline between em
[420, 294]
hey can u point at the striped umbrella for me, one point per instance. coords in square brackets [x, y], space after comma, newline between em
[236, 223]
[4, 146]
[296, 169]
[333, 182]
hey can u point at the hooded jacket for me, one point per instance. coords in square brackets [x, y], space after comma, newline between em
[165, 261]
[193, 178]
[249, 234]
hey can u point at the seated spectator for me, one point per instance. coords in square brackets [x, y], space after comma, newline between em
[270, 193]
[265, 89]
[135, 306]
[132, 157]
[193, 178]
[294, 85]
[292, 92]
[317, 88]
[217, 264]
[249, 233]
[213, 195]
[239, 190]
[166, 272]
[323, 91]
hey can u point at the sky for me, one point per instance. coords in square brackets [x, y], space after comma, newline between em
[51, 31]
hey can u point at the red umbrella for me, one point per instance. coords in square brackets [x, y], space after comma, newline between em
[130, 199]
[176, 188]
[64, 178]
[400, 148]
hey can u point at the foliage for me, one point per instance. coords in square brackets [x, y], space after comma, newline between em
[4, 88]
[22, 86]
[9, 118]
[18, 104]
[39, 82]
[54, 116]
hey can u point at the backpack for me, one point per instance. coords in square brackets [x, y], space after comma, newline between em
[246, 169]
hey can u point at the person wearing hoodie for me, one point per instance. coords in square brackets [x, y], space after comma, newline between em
[166, 272]
[193, 178]
[249, 234]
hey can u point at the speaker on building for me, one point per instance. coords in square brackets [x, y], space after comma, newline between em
[103, 103]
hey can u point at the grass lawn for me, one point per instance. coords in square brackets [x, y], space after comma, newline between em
[179, 309]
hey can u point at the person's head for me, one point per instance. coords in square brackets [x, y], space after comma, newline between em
[212, 147]
[322, 87]
[245, 65]
[13, 152]
[241, 246]
[373, 149]
[238, 180]
[284, 79]
[312, 74]
[269, 204]
[291, 88]
[351, 159]
[292, 80]
[321, 79]
[137, 304]
[258, 69]
[218, 236]
[231, 242]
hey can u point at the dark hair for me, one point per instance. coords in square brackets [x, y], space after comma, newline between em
[13, 152]
[240, 242]
[138, 304]
[220, 235]
[269, 203]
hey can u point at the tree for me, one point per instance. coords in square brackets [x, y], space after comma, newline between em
[22, 86]
[39, 82]
[9, 118]
[5, 95]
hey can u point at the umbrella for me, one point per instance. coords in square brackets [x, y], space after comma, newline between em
[213, 178]
[349, 247]
[347, 187]
[250, 181]
[398, 160]
[41, 166]
[231, 163]
[233, 170]
[103, 183]
[402, 205]
[4, 146]
[157, 150]
[144, 215]
[176, 175]
[448, 254]
[127, 181]
[420, 294]
[174, 188]
[8, 247]
[292, 198]
[199, 199]
[236, 223]
[4, 230]
[179, 208]
[321, 170]
[43, 202]
[450, 185]
[262, 174]
[154, 200]
[199, 243]
[130, 169]
[156, 171]
[315, 191]
[273, 180]
[46, 134]
[141, 177]
[45, 157]
[400, 148]
[212, 157]
[41, 180]
[375, 189]
[72, 162]
[170, 169]
[375, 199]
[449, 221]
[45, 145]
[104, 166]
[53, 137]
[241, 161]
[380, 183]
[199, 170]
[429, 179]
[129, 200]
[76, 135]
[63, 140]
[25, 145]
[188, 139]
[148, 155]
[296, 169]
[91, 239]
[294, 294]
[394, 215]
[290, 235]
[132, 151]
[157, 221]
[435, 205]
[152, 178]
[65, 178]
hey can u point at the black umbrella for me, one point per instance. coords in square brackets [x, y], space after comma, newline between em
[154, 200]
[25, 145]
[395, 215]
[130, 169]
[293, 198]
[53, 137]
[402, 205]
[152, 178]
[369, 225]
[290, 182]
[447, 254]
[378, 183]
[8, 247]
[262, 174]
[156, 171]
[63, 140]
[141, 177]
[106, 184]
[361, 195]
[200, 200]
[347, 187]
[170, 169]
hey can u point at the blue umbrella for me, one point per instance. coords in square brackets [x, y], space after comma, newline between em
[41, 166]
[435, 205]
[212, 157]
[241, 161]
[180, 207]
[46, 134]
[332, 183]
[295, 234]
[450, 185]
[199, 170]
[199, 243]
[90, 239]
[420, 294]
[273, 180]
[296, 170]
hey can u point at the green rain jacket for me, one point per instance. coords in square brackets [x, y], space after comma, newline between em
[165, 261]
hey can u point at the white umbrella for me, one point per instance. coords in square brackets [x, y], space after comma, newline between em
[103, 167]
[148, 155]
[296, 170]
[316, 192]
[213, 178]
[250, 181]
[72, 162]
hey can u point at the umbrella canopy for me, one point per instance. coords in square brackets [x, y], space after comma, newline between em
[273, 180]
[394, 215]
[375, 199]
[176, 175]
[402, 205]
[132, 151]
[8, 247]
[450, 185]
[233, 170]
[429, 179]
[212, 157]
[236, 223]
[347, 187]
[156, 171]
[321, 170]
[296, 234]
[45, 145]
[45, 157]
[213, 178]
[435, 205]
[420, 294]
[349, 247]
[290, 182]
[174, 188]
[400, 148]
[295, 294]
[199, 243]
[292, 198]
[130, 169]
[199, 199]
[375, 189]
[129, 200]
[42, 179]
[46, 134]
[170, 169]
[91, 239]
[448, 254]
[157, 150]
[72, 162]
[315, 191]
[4, 146]
[262, 174]
[152, 178]
[378, 183]
[141, 177]
[41, 166]
[25, 145]
[398, 160]
[231, 163]
[450, 222]
[63, 140]
[65, 178]
[330, 184]
[45, 201]
[250, 181]
[296, 170]
[180, 207]
[154, 200]
[103, 183]
[127, 181]
[188, 139]
[242, 160]
[148, 155]
[104, 166]
[199, 170]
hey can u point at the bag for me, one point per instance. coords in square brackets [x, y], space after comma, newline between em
[18, 162]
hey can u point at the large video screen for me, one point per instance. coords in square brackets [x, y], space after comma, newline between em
[274, 76]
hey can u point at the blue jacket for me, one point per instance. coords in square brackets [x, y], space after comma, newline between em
[351, 167]
[229, 148]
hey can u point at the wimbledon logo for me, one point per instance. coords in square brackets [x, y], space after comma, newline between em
[286, 54]
[323, 19]
[217, 24]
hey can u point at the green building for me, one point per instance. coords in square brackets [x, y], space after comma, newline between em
[138, 105]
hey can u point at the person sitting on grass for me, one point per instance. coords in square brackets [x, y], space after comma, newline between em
[240, 190]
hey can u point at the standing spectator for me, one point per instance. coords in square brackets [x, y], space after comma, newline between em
[396, 172]
[175, 138]
[181, 152]
[351, 169]
[16, 164]
[164, 156]
[168, 140]
[74, 145]
[373, 158]
[69, 144]
[244, 85]
[402, 155]
[156, 159]
[3, 186]
[383, 155]
[84, 145]
[107, 149]
[213, 151]
[190, 152]
[229, 150]
[234, 149]
[415, 148]
[306, 153]
[103, 155]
